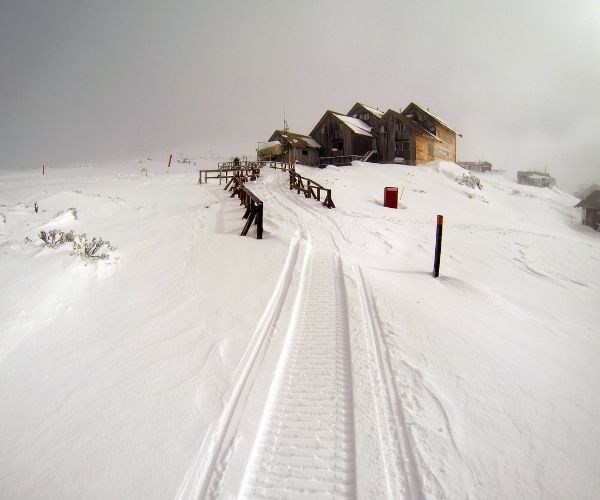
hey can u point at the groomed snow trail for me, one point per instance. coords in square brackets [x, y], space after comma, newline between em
[305, 447]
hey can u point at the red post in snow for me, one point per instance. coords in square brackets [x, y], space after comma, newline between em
[170, 158]
[438, 246]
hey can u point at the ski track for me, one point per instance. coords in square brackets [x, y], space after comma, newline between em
[305, 447]
[305, 442]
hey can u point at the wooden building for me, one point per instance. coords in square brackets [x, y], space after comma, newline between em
[590, 213]
[401, 138]
[289, 147]
[342, 136]
[368, 114]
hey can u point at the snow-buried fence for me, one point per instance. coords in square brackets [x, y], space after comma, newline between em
[254, 206]
[310, 188]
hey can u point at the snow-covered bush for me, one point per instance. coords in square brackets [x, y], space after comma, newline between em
[56, 237]
[93, 249]
[469, 180]
[72, 210]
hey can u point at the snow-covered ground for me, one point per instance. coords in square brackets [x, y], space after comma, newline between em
[323, 360]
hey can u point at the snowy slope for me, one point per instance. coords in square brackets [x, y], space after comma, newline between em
[186, 363]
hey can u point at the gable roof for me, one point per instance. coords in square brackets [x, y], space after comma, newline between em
[374, 111]
[431, 115]
[590, 201]
[357, 126]
[354, 124]
[297, 140]
[409, 122]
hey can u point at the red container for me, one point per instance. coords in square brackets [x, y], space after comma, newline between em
[390, 197]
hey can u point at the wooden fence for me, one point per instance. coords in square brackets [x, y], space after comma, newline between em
[225, 173]
[310, 188]
[254, 206]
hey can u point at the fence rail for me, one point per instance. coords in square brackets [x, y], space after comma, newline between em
[254, 206]
[310, 188]
[227, 173]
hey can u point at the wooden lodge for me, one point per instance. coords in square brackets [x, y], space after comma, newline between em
[590, 210]
[413, 136]
[342, 136]
[289, 147]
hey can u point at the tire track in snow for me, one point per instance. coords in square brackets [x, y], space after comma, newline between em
[397, 445]
[305, 446]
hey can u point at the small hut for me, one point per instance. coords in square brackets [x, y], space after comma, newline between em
[289, 147]
[535, 178]
[590, 213]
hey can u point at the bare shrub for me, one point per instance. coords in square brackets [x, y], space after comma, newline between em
[97, 248]
[56, 237]
[72, 210]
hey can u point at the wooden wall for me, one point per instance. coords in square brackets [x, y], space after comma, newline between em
[332, 129]
[388, 132]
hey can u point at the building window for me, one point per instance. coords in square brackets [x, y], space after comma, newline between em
[337, 145]
[430, 149]
[402, 147]
[305, 152]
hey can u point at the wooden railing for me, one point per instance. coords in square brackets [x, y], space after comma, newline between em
[310, 188]
[337, 160]
[286, 167]
[254, 206]
[227, 173]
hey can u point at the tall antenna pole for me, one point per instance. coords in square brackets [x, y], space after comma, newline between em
[285, 124]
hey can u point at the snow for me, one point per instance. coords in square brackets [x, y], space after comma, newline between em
[197, 363]
[373, 111]
[267, 145]
[357, 126]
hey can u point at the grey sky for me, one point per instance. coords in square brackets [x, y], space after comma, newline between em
[99, 80]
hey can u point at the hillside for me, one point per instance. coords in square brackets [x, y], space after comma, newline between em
[185, 363]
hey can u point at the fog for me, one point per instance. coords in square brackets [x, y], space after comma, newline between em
[84, 81]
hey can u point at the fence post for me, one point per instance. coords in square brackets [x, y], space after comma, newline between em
[438, 246]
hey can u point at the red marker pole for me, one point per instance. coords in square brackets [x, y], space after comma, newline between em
[169, 166]
[438, 246]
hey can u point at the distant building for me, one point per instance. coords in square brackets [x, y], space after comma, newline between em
[289, 147]
[590, 213]
[476, 166]
[413, 136]
[535, 178]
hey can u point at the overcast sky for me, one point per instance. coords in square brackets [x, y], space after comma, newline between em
[90, 80]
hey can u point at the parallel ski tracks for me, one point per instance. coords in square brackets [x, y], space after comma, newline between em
[305, 444]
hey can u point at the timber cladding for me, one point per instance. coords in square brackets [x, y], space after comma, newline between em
[338, 139]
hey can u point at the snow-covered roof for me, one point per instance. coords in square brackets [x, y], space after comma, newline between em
[372, 110]
[357, 126]
[299, 140]
[267, 145]
[439, 120]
